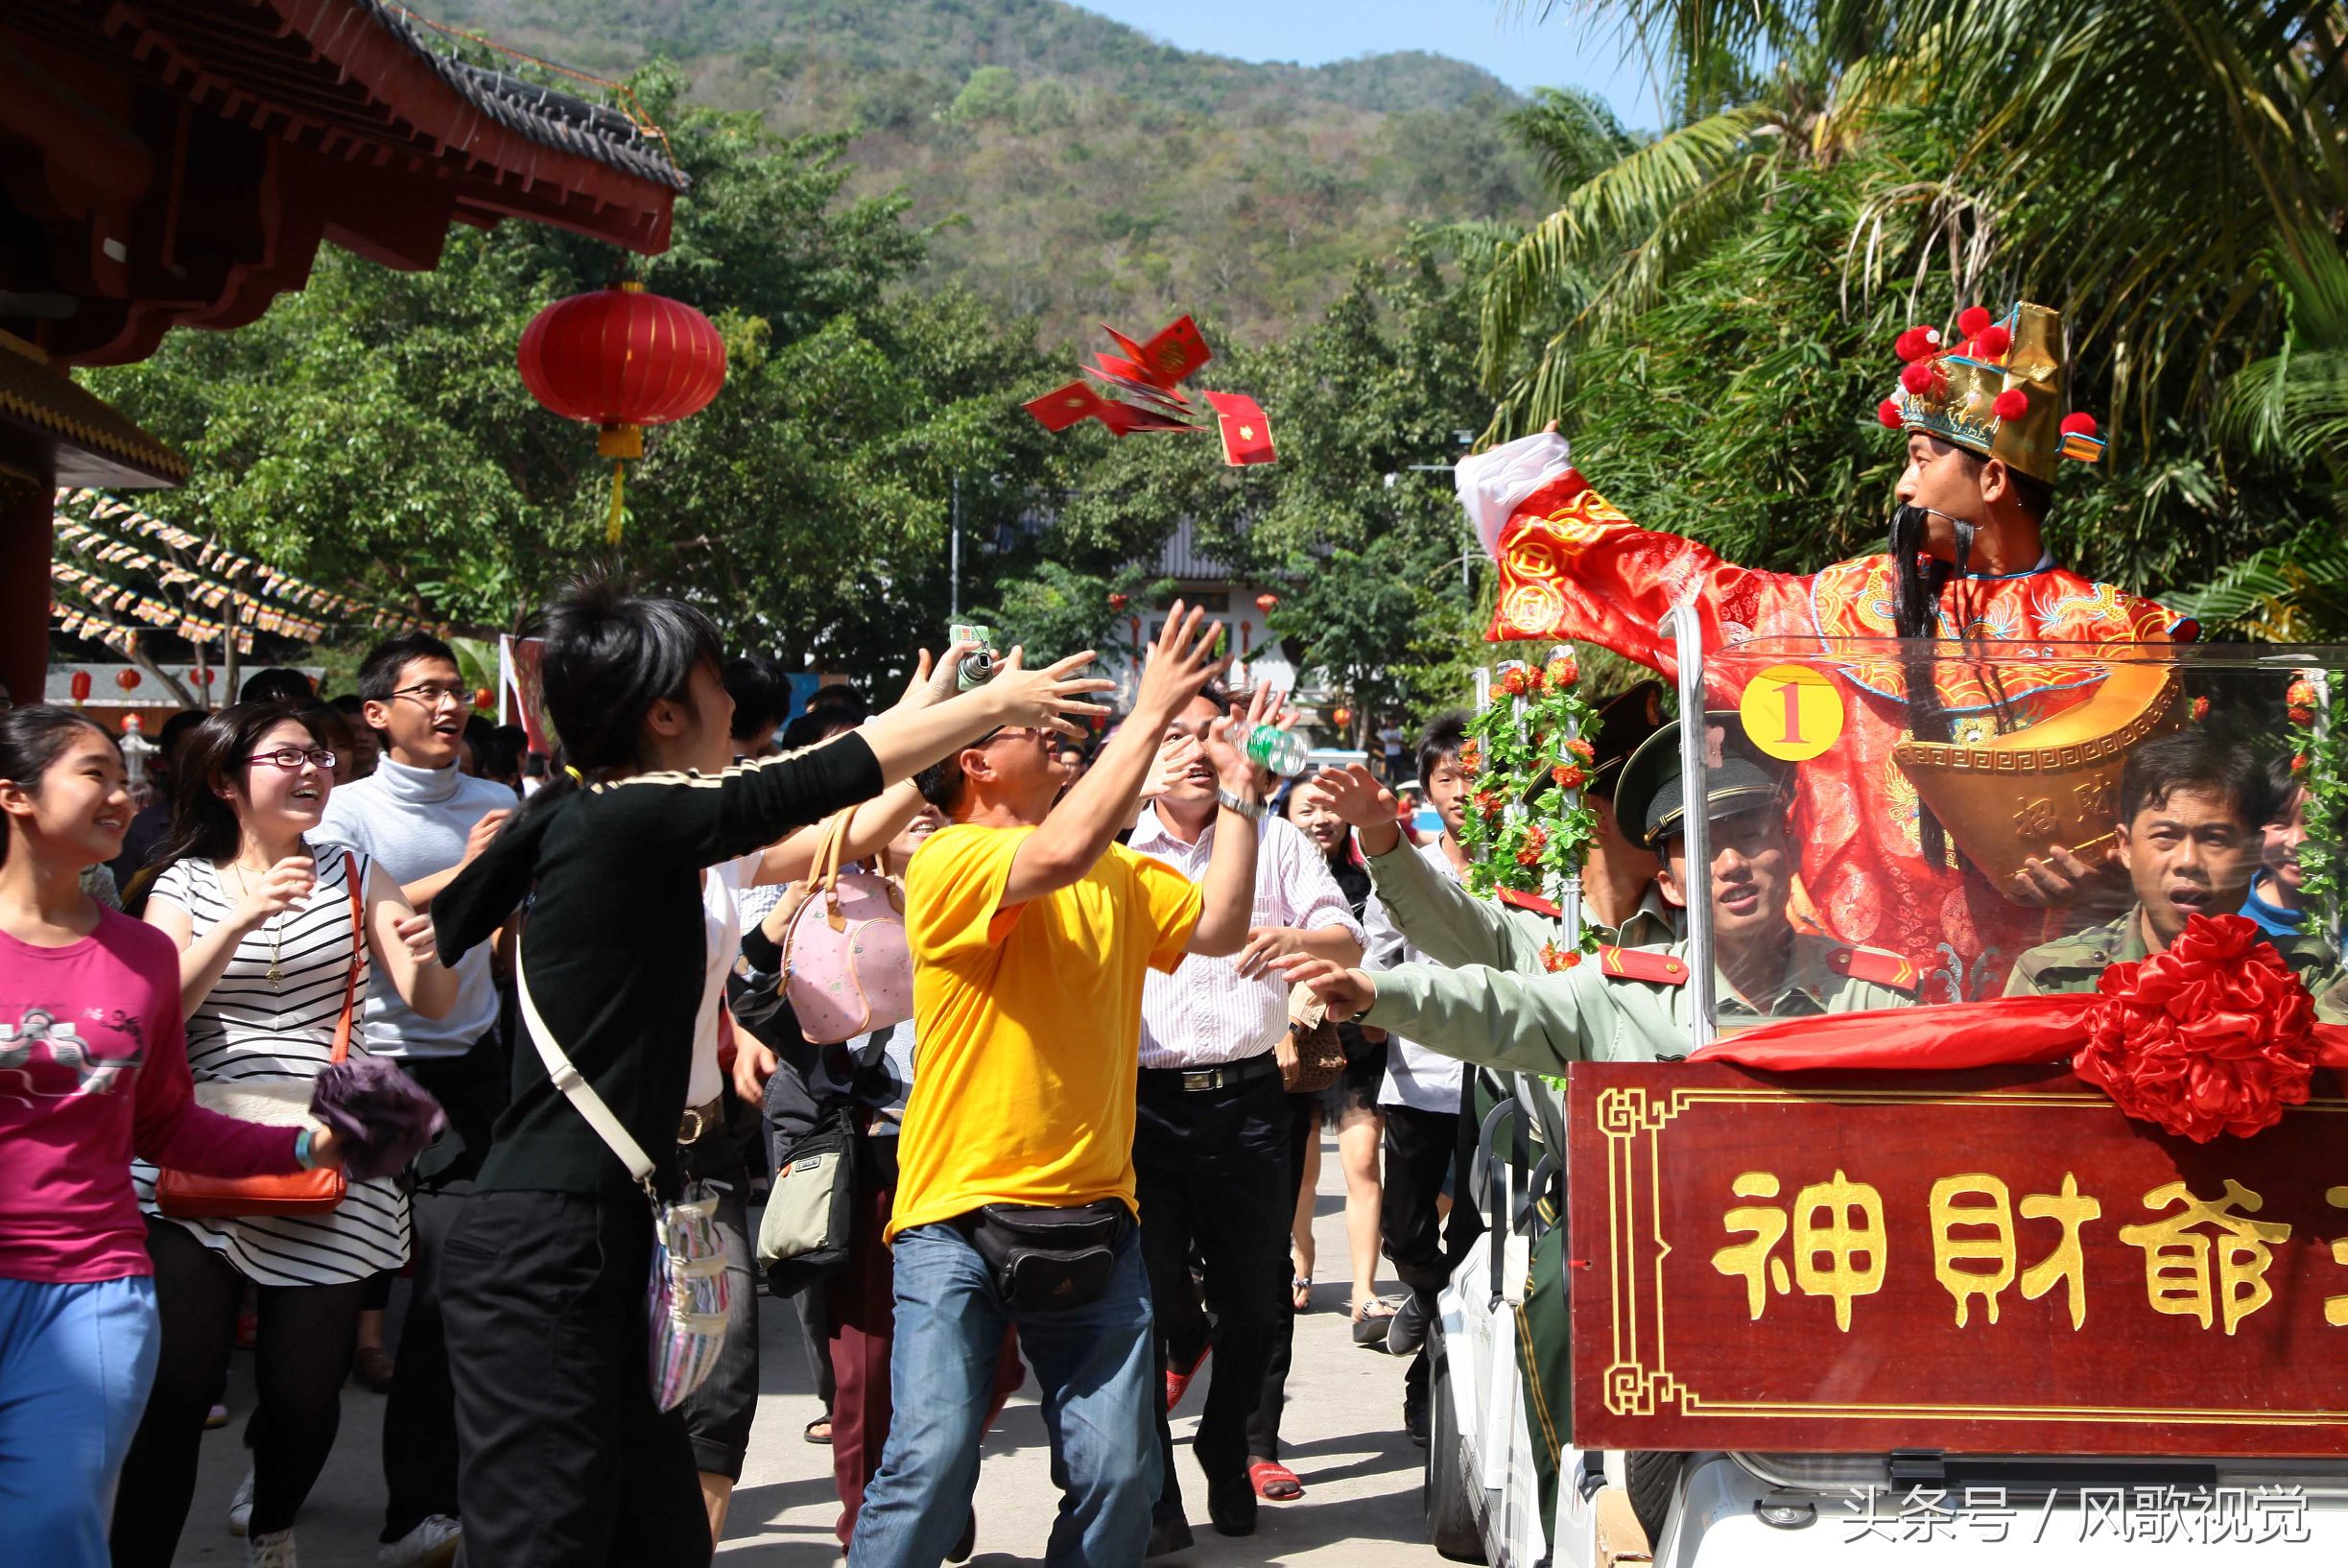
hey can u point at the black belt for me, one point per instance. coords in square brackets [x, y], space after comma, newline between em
[1199, 1080]
[699, 1121]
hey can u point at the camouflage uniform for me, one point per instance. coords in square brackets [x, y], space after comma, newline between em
[2074, 964]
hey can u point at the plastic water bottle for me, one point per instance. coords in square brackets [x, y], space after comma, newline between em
[1280, 751]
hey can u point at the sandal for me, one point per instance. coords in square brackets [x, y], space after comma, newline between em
[1274, 1481]
[1370, 1320]
[1300, 1292]
[818, 1430]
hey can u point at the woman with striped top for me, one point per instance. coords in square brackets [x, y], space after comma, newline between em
[268, 950]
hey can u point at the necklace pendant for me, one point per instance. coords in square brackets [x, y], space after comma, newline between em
[274, 975]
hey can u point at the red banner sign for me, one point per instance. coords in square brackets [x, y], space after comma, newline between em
[1986, 1262]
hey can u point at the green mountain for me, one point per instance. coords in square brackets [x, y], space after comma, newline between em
[1074, 168]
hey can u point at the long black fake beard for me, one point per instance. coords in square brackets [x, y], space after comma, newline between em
[1916, 618]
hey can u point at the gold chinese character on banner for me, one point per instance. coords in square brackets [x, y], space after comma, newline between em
[2178, 1275]
[1766, 1228]
[2067, 1262]
[2336, 1307]
[1849, 1238]
[1950, 1252]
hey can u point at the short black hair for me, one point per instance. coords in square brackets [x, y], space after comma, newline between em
[813, 729]
[1443, 737]
[379, 671]
[2196, 760]
[942, 783]
[761, 694]
[841, 697]
[609, 654]
[277, 684]
[2283, 785]
[175, 729]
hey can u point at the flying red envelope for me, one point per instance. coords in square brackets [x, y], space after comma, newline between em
[1069, 405]
[1247, 435]
[1124, 377]
[1124, 418]
[1173, 356]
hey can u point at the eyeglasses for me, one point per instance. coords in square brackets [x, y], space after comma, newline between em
[1023, 731]
[292, 757]
[432, 694]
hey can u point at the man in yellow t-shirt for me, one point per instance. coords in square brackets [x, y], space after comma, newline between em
[1031, 929]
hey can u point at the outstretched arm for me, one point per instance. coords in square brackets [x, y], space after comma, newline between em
[1085, 822]
[1413, 900]
[1529, 1024]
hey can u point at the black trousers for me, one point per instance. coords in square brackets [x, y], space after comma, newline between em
[299, 1361]
[1423, 1147]
[1211, 1172]
[1263, 1426]
[564, 1461]
[419, 1414]
[1422, 1151]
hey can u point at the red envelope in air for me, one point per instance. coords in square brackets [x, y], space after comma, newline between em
[1124, 418]
[1067, 406]
[1124, 376]
[1174, 355]
[1247, 435]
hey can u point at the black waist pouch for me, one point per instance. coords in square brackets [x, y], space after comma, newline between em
[1049, 1260]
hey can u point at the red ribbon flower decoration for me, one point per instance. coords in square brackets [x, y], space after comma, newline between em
[2214, 1035]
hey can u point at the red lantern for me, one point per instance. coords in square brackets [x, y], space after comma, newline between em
[127, 678]
[1342, 718]
[80, 685]
[621, 359]
[1118, 602]
[484, 700]
[1267, 602]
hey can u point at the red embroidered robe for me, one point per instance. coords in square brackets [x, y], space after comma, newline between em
[1574, 566]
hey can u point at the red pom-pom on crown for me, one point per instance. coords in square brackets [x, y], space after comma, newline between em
[1971, 320]
[1918, 378]
[1910, 346]
[1991, 343]
[2012, 404]
[1888, 412]
[2078, 424]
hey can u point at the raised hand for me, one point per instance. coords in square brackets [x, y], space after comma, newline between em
[1356, 799]
[1226, 743]
[278, 889]
[1051, 699]
[1180, 664]
[934, 683]
[1344, 992]
[1177, 755]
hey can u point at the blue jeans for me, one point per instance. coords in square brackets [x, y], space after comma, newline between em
[1093, 1365]
[75, 1364]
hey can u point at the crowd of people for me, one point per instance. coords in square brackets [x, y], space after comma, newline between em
[1072, 1133]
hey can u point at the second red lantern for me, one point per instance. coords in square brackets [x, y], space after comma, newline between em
[621, 359]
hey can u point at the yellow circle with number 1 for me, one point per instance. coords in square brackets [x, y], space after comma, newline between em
[1792, 712]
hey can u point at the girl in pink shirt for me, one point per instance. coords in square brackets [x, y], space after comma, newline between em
[93, 1070]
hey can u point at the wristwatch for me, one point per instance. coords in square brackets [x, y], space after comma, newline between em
[1254, 811]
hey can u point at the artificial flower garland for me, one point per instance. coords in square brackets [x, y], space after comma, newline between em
[2322, 766]
[1532, 750]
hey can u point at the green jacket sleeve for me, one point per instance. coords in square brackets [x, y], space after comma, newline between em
[1526, 1022]
[1444, 920]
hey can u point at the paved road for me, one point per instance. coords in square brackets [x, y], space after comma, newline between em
[1343, 1434]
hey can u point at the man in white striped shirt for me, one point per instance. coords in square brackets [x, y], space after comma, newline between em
[1211, 1138]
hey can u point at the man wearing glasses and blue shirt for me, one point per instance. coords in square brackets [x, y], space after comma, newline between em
[422, 819]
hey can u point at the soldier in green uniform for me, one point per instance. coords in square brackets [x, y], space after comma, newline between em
[2192, 812]
[1629, 1003]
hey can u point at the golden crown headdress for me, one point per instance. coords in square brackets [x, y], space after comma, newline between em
[1998, 390]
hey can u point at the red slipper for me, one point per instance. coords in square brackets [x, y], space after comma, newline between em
[1177, 1384]
[1274, 1481]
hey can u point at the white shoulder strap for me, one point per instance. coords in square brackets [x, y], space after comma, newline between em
[574, 1089]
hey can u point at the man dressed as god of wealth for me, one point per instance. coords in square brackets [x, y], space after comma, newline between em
[1985, 426]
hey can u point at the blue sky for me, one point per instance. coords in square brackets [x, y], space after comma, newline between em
[1526, 54]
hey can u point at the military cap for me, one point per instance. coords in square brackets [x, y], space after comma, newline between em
[1647, 797]
[1624, 722]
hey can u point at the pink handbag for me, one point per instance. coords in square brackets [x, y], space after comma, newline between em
[846, 970]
